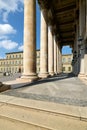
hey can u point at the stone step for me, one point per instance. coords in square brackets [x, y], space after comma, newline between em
[26, 114]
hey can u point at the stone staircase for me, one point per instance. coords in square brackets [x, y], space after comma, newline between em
[25, 114]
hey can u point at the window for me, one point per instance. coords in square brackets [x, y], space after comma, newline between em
[38, 55]
[63, 68]
[19, 62]
[20, 56]
[64, 60]
[69, 59]
[69, 68]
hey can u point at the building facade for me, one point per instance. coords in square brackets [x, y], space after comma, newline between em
[13, 63]
[67, 63]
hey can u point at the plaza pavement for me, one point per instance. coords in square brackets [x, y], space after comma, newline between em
[63, 89]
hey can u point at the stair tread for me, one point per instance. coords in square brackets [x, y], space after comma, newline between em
[74, 111]
[42, 119]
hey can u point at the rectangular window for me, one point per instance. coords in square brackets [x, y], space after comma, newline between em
[63, 68]
[69, 59]
[63, 60]
[69, 68]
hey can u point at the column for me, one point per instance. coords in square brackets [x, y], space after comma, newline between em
[44, 46]
[81, 31]
[50, 52]
[86, 18]
[55, 56]
[60, 59]
[29, 62]
[85, 61]
[81, 74]
[86, 44]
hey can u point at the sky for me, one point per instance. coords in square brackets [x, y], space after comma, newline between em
[12, 27]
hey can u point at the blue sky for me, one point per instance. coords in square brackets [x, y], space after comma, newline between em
[12, 24]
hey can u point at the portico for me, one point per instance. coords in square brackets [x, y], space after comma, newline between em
[62, 23]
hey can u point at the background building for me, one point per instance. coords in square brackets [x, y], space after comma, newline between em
[13, 63]
[67, 63]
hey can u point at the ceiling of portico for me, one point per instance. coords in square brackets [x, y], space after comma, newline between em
[64, 15]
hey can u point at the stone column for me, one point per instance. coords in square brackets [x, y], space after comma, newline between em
[81, 31]
[60, 59]
[81, 74]
[44, 46]
[86, 44]
[85, 61]
[50, 52]
[86, 18]
[55, 56]
[29, 62]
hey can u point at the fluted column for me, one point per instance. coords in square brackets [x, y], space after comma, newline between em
[55, 56]
[29, 62]
[44, 46]
[50, 52]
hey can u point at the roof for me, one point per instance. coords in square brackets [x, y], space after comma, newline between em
[19, 52]
[14, 52]
[67, 54]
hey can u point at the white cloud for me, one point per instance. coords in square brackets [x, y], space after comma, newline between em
[7, 6]
[20, 48]
[6, 29]
[8, 44]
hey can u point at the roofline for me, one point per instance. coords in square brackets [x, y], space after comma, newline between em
[66, 54]
[19, 52]
[14, 52]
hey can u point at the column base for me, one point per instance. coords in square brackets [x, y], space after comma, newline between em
[85, 76]
[30, 77]
[43, 75]
[81, 75]
[55, 73]
[51, 73]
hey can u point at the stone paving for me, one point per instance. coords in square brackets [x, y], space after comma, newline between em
[9, 78]
[63, 89]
